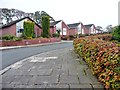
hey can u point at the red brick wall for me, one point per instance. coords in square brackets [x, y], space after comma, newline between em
[86, 31]
[52, 30]
[29, 41]
[73, 31]
[9, 30]
[37, 31]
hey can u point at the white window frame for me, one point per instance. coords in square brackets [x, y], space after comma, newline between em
[64, 31]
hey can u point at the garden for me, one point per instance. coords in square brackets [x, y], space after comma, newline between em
[102, 54]
[28, 36]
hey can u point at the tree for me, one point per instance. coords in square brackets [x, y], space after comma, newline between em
[28, 29]
[109, 28]
[7, 14]
[99, 27]
[116, 33]
[45, 26]
[37, 17]
[43, 13]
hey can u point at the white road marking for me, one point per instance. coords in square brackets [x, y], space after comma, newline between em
[42, 59]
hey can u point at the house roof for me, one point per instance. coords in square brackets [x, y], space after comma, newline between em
[99, 30]
[88, 26]
[74, 25]
[16, 21]
[54, 23]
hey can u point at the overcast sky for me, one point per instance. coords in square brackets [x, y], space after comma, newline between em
[98, 12]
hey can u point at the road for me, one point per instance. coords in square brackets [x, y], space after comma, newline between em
[13, 55]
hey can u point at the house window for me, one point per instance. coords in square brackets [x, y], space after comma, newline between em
[20, 30]
[82, 31]
[64, 31]
[79, 30]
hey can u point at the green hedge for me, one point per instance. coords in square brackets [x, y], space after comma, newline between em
[45, 27]
[11, 37]
[55, 35]
[116, 33]
[28, 29]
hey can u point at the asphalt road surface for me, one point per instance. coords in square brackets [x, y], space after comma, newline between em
[13, 55]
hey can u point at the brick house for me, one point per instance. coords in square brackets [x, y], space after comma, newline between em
[89, 29]
[98, 31]
[60, 26]
[16, 28]
[53, 27]
[76, 28]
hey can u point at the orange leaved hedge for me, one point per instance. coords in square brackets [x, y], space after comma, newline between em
[103, 57]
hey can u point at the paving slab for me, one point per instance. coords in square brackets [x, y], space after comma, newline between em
[60, 68]
[80, 87]
[64, 79]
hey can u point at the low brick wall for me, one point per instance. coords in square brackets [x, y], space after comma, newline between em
[29, 42]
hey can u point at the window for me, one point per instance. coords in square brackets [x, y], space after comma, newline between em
[64, 31]
[79, 30]
[20, 30]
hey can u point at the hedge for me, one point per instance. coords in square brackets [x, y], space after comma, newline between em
[46, 26]
[28, 29]
[116, 33]
[103, 57]
[10, 38]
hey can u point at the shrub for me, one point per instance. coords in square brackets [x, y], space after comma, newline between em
[11, 37]
[28, 29]
[71, 37]
[103, 57]
[65, 37]
[34, 35]
[46, 26]
[116, 33]
[55, 35]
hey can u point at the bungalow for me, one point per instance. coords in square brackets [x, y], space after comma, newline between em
[60, 26]
[90, 29]
[98, 31]
[16, 28]
[53, 27]
[76, 28]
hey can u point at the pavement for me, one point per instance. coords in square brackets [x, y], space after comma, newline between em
[61, 68]
[34, 45]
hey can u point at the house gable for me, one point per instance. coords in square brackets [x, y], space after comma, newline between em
[90, 29]
[80, 28]
[65, 29]
[76, 28]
